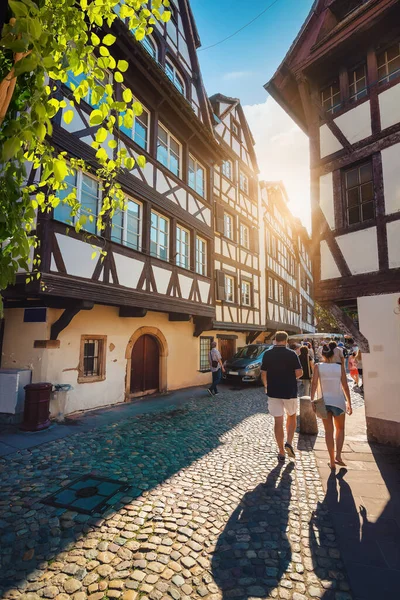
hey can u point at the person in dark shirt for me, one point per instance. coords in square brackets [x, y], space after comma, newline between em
[280, 370]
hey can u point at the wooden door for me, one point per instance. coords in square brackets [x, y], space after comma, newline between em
[145, 365]
[228, 349]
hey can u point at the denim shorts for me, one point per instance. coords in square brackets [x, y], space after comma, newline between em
[334, 410]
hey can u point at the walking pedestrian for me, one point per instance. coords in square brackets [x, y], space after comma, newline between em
[353, 368]
[360, 368]
[336, 394]
[280, 370]
[307, 365]
[216, 367]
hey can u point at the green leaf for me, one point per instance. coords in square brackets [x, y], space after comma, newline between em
[129, 163]
[112, 144]
[118, 77]
[101, 135]
[19, 9]
[10, 148]
[26, 65]
[94, 254]
[122, 65]
[140, 33]
[109, 39]
[84, 4]
[96, 117]
[166, 16]
[104, 51]
[35, 28]
[137, 109]
[141, 161]
[101, 154]
[127, 95]
[95, 39]
[41, 131]
[68, 116]
[60, 170]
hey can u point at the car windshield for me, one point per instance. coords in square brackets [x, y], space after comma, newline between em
[253, 351]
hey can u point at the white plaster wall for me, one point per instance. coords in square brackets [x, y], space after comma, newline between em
[393, 236]
[329, 269]
[360, 250]
[391, 178]
[328, 142]
[182, 367]
[70, 249]
[326, 198]
[128, 270]
[380, 323]
[18, 351]
[356, 123]
[389, 104]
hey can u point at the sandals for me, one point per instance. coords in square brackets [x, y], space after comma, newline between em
[340, 463]
[281, 458]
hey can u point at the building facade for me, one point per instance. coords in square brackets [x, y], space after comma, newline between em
[288, 278]
[340, 82]
[114, 326]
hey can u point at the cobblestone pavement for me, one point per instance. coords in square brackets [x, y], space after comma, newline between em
[208, 513]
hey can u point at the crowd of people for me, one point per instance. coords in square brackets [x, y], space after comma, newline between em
[290, 370]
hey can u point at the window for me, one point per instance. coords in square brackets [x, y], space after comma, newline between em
[389, 63]
[228, 226]
[126, 225]
[291, 299]
[244, 183]
[92, 359]
[139, 132]
[176, 78]
[281, 294]
[229, 288]
[149, 44]
[330, 97]
[227, 169]
[309, 314]
[273, 246]
[358, 83]
[159, 236]
[270, 288]
[95, 94]
[87, 192]
[246, 293]
[182, 247]
[197, 177]
[359, 188]
[201, 256]
[244, 236]
[236, 129]
[205, 348]
[169, 150]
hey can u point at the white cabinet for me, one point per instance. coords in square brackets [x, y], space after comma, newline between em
[12, 393]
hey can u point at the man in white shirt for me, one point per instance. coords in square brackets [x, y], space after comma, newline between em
[216, 367]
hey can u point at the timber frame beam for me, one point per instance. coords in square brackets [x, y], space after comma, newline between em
[65, 319]
[349, 326]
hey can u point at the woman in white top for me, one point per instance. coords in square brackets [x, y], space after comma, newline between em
[336, 394]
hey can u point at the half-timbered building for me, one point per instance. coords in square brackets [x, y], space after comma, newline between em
[238, 317]
[340, 81]
[121, 324]
[288, 279]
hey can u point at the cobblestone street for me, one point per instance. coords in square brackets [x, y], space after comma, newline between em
[207, 512]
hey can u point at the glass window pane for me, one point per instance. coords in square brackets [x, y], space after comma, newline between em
[117, 227]
[352, 178]
[140, 134]
[63, 211]
[366, 173]
[353, 197]
[174, 164]
[393, 52]
[367, 192]
[368, 211]
[354, 215]
[162, 154]
[163, 135]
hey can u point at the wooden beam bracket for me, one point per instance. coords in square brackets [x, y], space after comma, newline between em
[65, 319]
[176, 317]
[349, 327]
[202, 324]
[250, 337]
[132, 311]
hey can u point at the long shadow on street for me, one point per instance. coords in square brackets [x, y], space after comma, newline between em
[143, 451]
[253, 551]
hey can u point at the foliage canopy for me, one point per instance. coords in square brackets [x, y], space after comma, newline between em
[42, 45]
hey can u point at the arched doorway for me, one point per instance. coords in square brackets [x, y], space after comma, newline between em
[145, 366]
[146, 362]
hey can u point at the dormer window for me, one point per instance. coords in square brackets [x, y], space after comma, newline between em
[149, 44]
[389, 63]
[358, 83]
[330, 97]
[176, 78]
[236, 129]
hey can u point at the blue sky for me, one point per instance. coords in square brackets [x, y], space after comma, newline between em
[242, 65]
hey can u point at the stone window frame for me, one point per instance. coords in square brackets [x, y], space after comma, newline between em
[101, 376]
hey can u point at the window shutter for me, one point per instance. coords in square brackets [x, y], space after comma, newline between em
[219, 219]
[255, 240]
[220, 280]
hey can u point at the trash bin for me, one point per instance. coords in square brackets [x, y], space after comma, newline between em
[36, 409]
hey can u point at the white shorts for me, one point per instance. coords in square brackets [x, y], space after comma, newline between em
[276, 406]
